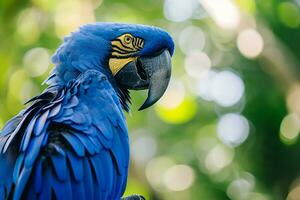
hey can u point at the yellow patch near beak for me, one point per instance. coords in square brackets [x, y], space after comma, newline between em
[123, 49]
[116, 64]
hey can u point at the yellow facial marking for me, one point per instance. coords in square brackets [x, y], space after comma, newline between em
[124, 49]
[116, 64]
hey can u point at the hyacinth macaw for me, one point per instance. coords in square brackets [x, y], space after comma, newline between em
[71, 142]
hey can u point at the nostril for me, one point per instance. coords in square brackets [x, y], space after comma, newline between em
[140, 70]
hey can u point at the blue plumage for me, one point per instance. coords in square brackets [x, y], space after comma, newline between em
[72, 141]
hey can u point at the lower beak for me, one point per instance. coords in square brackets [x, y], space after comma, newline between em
[151, 73]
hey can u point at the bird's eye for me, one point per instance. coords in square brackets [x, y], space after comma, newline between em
[127, 39]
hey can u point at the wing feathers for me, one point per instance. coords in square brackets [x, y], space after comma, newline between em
[71, 143]
[75, 143]
[60, 166]
[76, 166]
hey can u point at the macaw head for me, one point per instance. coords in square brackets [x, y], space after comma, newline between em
[134, 57]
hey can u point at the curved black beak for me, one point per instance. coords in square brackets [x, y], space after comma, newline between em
[151, 73]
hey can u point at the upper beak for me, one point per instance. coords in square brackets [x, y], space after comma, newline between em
[151, 73]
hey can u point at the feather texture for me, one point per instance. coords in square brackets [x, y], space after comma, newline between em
[71, 143]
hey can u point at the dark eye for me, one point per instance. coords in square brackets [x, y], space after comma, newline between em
[127, 39]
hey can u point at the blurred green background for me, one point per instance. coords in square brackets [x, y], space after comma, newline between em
[228, 126]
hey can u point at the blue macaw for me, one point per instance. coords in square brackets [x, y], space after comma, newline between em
[71, 142]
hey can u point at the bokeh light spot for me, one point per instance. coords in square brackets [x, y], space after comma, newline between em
[143, 149]
[155, 170]
[14, 98]
[250, 43]
[203, 85]
[28, 27]
[197, 63]
[180, 114]
[218, 158]
[70, 15]
[16, 82]
[227, 88]
[240, 189]
[233, 129]
[224, 12]
[289, 14]
[179, 177]
[174, 95]
[28, 90]
[178, 10]
[289, 128]
[36, 61]
[191, 38]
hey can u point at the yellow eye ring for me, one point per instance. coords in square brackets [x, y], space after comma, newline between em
[127, 39]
